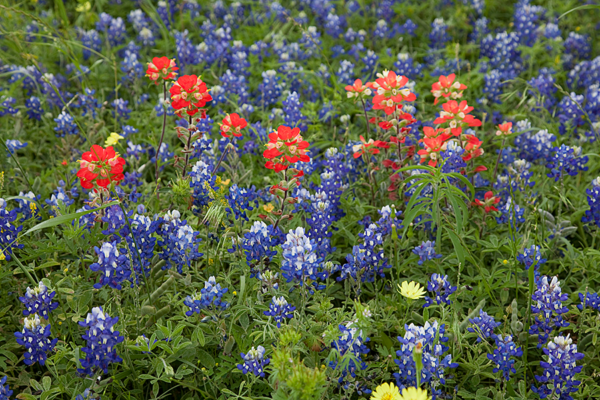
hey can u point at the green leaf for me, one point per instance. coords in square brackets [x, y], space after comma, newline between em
[460, 251]
[206, 359]
[198, 337]
[587, 6]
[46, 383]
[65, 218]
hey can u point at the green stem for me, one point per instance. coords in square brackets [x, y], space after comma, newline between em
[33, 281]
[162, 136]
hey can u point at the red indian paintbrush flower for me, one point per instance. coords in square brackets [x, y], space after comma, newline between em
[161, 67]
[189, 94]
[504, 129]
[446, 87]
[100, 167]
[433, 147]
[457, 115]
[357, 90]
[367, 147]
[489, 202]
[285, 147]
[233, 124]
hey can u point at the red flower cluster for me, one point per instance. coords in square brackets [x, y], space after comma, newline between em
[189, 94]
[454, 117]
[100, 167]
[391, 91]
[446, 87]
[504, 129]
[233, 124]
[285, 147]
[368, 147]
[161, 67]
[358, 90]
[489, 202]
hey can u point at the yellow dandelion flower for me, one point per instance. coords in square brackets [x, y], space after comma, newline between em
[411, 290]
[413, 393]
[234, 293]
[113, 139]
[269, 207]
[386, 391]
[505, 262]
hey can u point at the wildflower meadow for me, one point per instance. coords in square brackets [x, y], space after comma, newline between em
[305, 199]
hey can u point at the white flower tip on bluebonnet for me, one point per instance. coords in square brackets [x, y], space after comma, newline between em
[32, 322]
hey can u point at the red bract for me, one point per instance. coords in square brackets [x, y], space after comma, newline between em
[504, 129]
[233, 124]
[357, 90]
[472, 148]
[433, 146]
[446, 87]
[488, 203]
[368, 147]
[161, 67]
[100, 167]
[285, 147]
[457, 115]
[189, 94]
[390, 92]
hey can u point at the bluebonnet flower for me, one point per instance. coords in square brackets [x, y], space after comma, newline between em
[510, 212]
[426, 252]
[320, 220]
[38, 301]
[238, 200]
[492, 88]
[8, 232]
[90, 40]
[381, 29]
[501, 357]
[593, 199]
[292, 107]
[430, 340]
[439, 285]
[526, 17]
[142, 229]
[280, 309]
[591, 300]
[202, 182]
[531, 256]
[452, 159]
[87, 395]
[35, 337]
[351, 340]
[544, 85]
[548, 299]
[577, 47]
[345, 73]
[300, 261]
[537, 147]
[438, 37]
[502, 50]
[179, 242]
[115, 220]
[65, 125]
[211, 297]
[370, 60]
[14, 145]
[116, 31]
[559, 370]
[101, 339]
[270, 89]
[34, 108]
[483, 326]
[27, 208]
[566, 161]
[113, 265]
[5, 391]
[570, 113]
[235, 84]
[367, 260]
[480, 30]
[132, 69]
[254, 361]
[405, 65]
[335, 25]
[6, 106]
[259, 245]
[121, 109]
[386, 223]
[187, 54]
[87, 102]
[59, 198]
